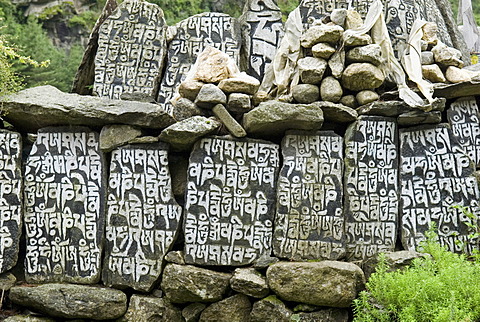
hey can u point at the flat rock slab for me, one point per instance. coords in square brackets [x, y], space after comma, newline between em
[371, 186]
[309, 223]
[142, 216]
[230, 197]
[233, 309]
[131, 50]
[11, 209]
[72, 301]
[194, 34]
[150, 308]
[457, 90]
[435, 176]
[64, 207]
[325, 283]
[37, 107]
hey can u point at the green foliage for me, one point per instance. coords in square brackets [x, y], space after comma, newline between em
[475, 7]
[177, 10]
[63, 9]
[287, 6]
[442, 287]
[86, 19]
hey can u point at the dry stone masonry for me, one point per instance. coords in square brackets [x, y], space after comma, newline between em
[213, 193]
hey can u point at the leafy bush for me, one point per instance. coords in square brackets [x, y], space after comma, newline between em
[442, 287]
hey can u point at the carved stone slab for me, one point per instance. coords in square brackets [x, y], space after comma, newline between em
[262, 30]
[64, 207]
[131, 50]
[371, 186]
[194, 34]
[10, 198]
[436, 175]
[142, 216]
[230, 197]
[309, 223]
[464, 118]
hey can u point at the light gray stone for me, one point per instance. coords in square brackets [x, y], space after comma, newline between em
[331, 90]
[395, 260]
[311, 69]
[144, 140]
[274, 118]
[395, 108]
[240, 83]
[259, 97]
[447, 56]
[457, 75]
[353, 40]
[430, 30]
[230, 123]
[250, 282]
[349, 100]
[190, 88]
[427, 58]
[182, 135]
[305, 93]
[328, 315]
[337, 113]
[71, 301]
[149, 308]
[239, 103]
[191, 313]
[321, 33]
[337, 63]
[433, 73]
[354, 20]
[209, 96]
[338, 16]
[184, 108]
[325, 283]
[323, 50]
[186, 283]
[366, 54]
[37, 107]
[233, 309]
[361, 76]
[270, 309]
[115, 135]
[264, 261]
[423, 45]
[366, 96]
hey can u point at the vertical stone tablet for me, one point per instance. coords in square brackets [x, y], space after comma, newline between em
[10, 198]
[436, 175]
[131, 50]
[262, 30]
[464, 118]
[371, 186]
[230, 197]
[64, 207]
[194, 34]
[309, 223]
[142, 216]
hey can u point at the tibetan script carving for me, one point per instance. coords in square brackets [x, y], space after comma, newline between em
[309, 222]
[464, 119]
[64, 207]
[436, 175]
[371, 187]
[230, 201]
[10, 198]
[142, 216]
[262, 30]
[194, 34]
[131, 50]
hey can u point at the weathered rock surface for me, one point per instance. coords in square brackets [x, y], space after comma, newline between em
[366, 54]
[233, 309]
[427, 58]
[352, 40]
[331, 90]
[182, 135]
[433, 73]
[43, 106]
[176, 257]
[240, 83]
[361, 76]
[250, 282]
[457, 75]
[149, 308]
[213, 66]
[338, 113]
[419, 117]
[337, 63]
[184, 108]
[325, 283]
[366, 96]
[338, 16]
[321, 33]
[27, 318]
[116, 135]
[72, 301]
[191, 313]
[349, 100]
[7, 281]
[323, 50]
[458, 90]
[209, 96]
[270, 309]
[328, 315]
[305, 93]
[447, 56]
[239, 103]
[190, 88]
[274, 117]
[185, 283]
[230, 123]
[395, 261]
[312, 69]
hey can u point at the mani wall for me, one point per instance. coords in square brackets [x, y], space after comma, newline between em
[184, 193]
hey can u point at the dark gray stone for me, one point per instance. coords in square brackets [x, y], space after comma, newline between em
[233, 309]
[450, 91]
[309, 223]
[305, 93]
[149, 308]
[131, 50]
[184, 108]
[230, 193]
[395, 261]
[142, 218]
[371, 187]
[191, 313]
[64, 207]
[209, 96]
[328, 315]
[112, 136]
[337, 113]
[175, 257]
[250, 282]
[270, 309]
[419, 117]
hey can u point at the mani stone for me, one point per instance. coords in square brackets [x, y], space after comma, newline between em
[270, 309]
[142, 216]
[131, 50]
[150, 308]
[193, 36]
[229, 206]
[185, 283]
[262, 31]
[233, 309]
[435, 176]
[361, 76]
[311, 69]
[371, 187]
[71, 301]
[64, 199]
[250, 282]
[464, 118]
[11, 209]
[325, 283]
[309, 222]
